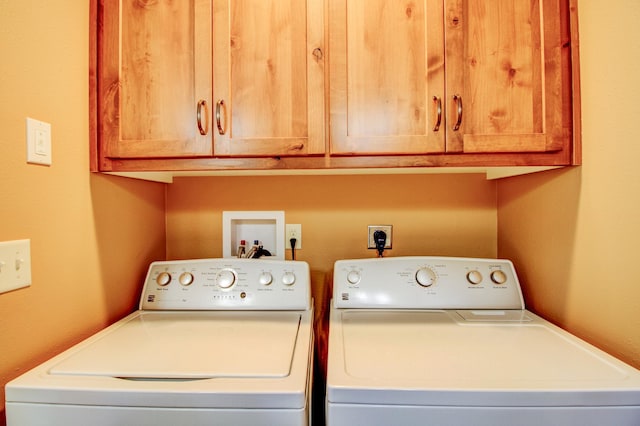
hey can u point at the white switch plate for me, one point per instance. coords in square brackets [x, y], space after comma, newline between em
[15, 265]
[38, 142]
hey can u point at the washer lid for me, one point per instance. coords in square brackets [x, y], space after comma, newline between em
[188, 345]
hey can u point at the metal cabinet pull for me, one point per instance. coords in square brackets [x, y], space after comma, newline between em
[458, 100]
[205, 130]
[438, 103]
[219, 105]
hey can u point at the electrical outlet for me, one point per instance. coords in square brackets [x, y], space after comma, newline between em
[388, 229]
[293, 231]
[15, 265]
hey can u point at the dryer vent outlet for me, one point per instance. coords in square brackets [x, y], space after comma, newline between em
[387, 229]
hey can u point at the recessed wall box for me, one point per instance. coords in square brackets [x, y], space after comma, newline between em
[264, 226]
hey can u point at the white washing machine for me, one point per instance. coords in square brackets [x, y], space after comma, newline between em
[215, 342]
[447, 341]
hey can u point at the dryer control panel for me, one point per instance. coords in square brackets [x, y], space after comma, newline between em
[425, 282]
[227, 284]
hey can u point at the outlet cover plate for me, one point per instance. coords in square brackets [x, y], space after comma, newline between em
[388, 229]
[293, 230]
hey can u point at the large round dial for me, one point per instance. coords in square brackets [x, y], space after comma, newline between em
[426, 277]
[226, 278]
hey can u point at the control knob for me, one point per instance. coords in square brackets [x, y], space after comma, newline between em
[474, 277]
[288, 278]
[225, 278]
[265, 278]
[498, 277]
[353, 277]
[186, 278]
[426, 277]
[163, 278]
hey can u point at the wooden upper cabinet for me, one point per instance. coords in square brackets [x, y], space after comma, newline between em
[508, 76]
[494, 74]
[268, 79]
[154, 77]
[386, 76]
[200, 85]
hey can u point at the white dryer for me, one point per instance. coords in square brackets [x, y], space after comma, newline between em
[214, 342]
[447, 341]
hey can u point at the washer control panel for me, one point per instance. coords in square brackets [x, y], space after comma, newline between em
[227, 284]
[426, 282]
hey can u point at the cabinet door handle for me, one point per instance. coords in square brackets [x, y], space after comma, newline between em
[438, 102]
[458, 100]
[219, 106]
[203, 130]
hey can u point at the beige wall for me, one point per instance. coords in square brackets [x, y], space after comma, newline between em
[430, 214]
[91, 236]
[574, 234]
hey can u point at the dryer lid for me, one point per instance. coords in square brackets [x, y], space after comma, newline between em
[431, 357]
[191, 345]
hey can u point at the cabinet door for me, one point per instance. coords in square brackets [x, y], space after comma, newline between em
[504, 63]
[154, 76]
[268, 77]
[386, 76]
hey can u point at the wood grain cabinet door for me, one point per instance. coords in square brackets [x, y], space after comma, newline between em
[386, 76]
[154, 78]
[268, 82]
[508, 76]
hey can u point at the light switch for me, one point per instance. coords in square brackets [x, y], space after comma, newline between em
[38, 142]
[15, 264]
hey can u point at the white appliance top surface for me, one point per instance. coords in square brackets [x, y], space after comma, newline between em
[184, 345]
[182, 359]
[439, 357]
[454, 331]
